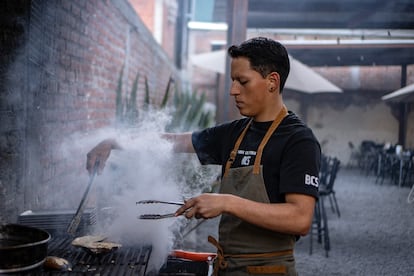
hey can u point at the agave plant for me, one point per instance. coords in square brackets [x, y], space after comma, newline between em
[126, 112]
[188, 110]
[131, 112]
[118, 100]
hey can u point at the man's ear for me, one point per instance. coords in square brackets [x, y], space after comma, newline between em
[273, 82]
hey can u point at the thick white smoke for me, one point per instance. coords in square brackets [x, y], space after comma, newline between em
[146, 168]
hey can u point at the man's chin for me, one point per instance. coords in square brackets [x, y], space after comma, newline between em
[245, 113]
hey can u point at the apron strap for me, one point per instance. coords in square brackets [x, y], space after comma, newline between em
[221, 262]
[282, 114]
[233, 153]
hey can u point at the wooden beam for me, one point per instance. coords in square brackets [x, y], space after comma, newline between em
[236, 33]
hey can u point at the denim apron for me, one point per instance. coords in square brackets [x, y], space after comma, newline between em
[246, 249]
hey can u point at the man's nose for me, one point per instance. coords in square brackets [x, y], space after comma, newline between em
[234, 89]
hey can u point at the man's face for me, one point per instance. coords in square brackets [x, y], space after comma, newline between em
[251, 91]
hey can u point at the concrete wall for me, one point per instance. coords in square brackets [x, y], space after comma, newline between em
[59, 71]
[338, 122]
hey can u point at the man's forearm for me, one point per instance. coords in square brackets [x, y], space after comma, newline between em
[181, 141]
[291, 217]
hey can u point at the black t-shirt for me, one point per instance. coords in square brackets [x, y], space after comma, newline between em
[290, 160]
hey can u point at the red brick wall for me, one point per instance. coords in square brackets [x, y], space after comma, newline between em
[169, 22]
[62, 76]
[146, 10]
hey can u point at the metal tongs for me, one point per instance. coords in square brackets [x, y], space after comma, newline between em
[74, 223]
[158, 216]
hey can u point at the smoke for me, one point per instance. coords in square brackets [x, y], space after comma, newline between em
[142, 171]
[146, 168]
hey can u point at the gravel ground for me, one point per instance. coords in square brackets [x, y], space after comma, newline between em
[373, 236]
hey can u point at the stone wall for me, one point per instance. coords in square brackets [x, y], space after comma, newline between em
[59, 71]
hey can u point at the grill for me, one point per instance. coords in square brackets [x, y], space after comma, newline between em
[123, 261]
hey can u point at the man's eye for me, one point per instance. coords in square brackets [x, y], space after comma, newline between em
[243, 82]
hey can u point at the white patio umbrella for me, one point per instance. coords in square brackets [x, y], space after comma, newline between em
[400, 95]
[301, 77]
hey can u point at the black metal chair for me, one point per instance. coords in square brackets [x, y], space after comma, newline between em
[326, 186]
[388, 165]
[320, 227]
[408, 170]
[329, 169]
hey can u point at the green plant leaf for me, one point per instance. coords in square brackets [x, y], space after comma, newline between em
[131, 107]
[118, 101]
[147, 96]
[166, 94]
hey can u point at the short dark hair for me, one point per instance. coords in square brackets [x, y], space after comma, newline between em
[265, 55]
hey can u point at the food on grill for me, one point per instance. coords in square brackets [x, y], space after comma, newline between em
[56, 263]
[81, 241]
[95, 244]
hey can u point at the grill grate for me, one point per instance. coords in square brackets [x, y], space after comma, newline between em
[123, 261]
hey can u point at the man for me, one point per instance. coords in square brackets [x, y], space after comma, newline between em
[270, 165]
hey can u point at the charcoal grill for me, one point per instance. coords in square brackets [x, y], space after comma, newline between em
[126, 260]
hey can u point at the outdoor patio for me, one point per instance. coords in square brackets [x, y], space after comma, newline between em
[373, 236]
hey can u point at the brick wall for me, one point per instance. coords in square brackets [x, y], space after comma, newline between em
[12, 107]
[166, 15]
[145, 9]
[58, 80]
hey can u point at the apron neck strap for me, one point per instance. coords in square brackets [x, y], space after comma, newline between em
[282, 114]
[233, 153]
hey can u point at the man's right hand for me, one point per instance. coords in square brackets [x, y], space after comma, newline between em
[99, 154]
